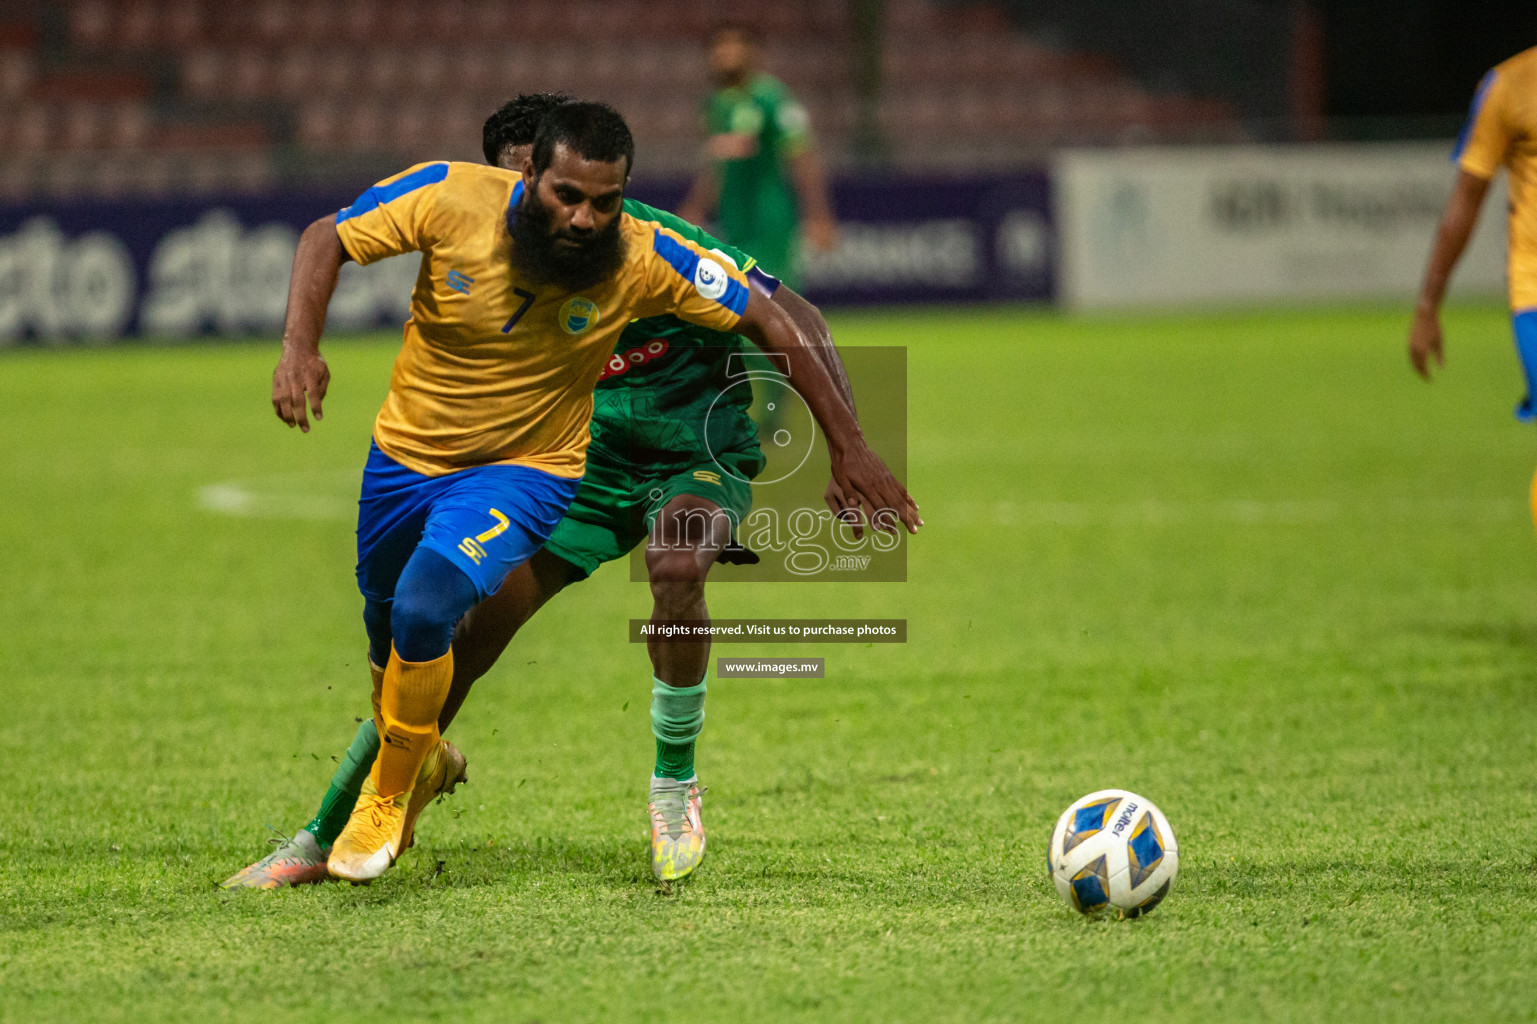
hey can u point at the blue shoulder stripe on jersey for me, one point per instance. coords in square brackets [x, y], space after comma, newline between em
[1478, 103]
[768, 282]
[381, 194]
[686, 262]
[512, 204]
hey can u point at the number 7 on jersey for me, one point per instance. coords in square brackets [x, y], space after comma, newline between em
[528, 300]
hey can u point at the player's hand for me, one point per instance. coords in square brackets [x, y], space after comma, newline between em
[299, 375]
[867, 486]
[821, 234]
[843, 509]
[1425, 340]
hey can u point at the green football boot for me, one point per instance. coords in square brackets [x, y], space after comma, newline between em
[298, 861]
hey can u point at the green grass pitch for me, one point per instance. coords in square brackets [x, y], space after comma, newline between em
[1245, 564]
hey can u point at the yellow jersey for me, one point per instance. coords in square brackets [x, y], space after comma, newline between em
[1502, 131]
[494, 369]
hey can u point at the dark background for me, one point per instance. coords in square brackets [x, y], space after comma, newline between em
[1406, 58]
[1377, 68]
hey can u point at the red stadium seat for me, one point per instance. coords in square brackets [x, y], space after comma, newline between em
[490, 21]
[91, 24]
[318, 124]
[33, 128]
[248, 75]
[359, 23]
[18, 72]
[128, 126]
[273, 22]
[335, 73]
[182, 24]
[138, 26]
[415, 79]
[316, 25]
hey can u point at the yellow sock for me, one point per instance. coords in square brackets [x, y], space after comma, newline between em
[378, 676]
[414, 692]
[1534, 499]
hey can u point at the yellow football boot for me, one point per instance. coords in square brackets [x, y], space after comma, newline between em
[443, 770]
[381, 828]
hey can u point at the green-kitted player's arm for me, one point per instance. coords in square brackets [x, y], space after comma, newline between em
[806, 315]
[797, 150]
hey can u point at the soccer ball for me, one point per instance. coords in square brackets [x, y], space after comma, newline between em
[1113, 849]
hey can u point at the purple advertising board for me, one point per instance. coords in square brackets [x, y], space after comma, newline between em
[908, 239]
[194, 266]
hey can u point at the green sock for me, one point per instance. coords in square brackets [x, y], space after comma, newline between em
[677, 715]
[345, 784]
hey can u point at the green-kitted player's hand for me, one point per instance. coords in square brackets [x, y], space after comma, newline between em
[844, 510]
[821, 234]
[300, 375]
[868, 487]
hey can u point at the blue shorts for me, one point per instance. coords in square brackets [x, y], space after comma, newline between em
[487, 520]
[1524, 322]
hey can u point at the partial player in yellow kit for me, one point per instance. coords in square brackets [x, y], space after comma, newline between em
[525, 284]
[1501, 131]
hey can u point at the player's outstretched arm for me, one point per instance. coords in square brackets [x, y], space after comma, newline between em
[859, 472]
[1457, 221]
[811, 322]
[301, 371]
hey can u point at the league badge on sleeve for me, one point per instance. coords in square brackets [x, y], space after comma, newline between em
[710, 278]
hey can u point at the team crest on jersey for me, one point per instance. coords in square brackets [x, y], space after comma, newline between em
[710, 278]
[578, 314]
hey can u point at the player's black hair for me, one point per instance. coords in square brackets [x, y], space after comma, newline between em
[594, 131]
[517, 121]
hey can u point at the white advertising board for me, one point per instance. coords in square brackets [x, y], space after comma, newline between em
[1166, 226]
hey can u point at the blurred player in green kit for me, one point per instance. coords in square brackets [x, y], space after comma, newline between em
[762, 178]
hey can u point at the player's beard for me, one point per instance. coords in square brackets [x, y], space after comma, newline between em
[595, 259]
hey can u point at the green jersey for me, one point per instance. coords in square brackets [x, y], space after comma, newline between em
[753, 129]
[666, 421]
[667, 377]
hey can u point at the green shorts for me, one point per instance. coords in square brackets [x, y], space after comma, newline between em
[619, 500]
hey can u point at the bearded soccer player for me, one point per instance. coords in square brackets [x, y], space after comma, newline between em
[1501, 131]
[637, 401]
[762, 176]
[525, 285]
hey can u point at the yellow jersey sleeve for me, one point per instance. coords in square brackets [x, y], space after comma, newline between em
[684, 279]
[1486, 138]
[395, 216]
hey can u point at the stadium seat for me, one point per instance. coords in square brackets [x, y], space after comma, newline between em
[90, 24]
[402, 78]
[32, 129]
[247, 75]
[18, 72]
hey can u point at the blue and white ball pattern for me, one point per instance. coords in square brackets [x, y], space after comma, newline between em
[1113, 850]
